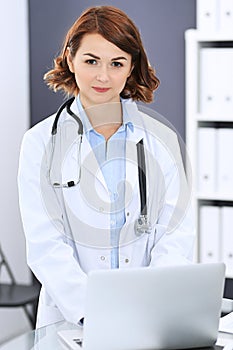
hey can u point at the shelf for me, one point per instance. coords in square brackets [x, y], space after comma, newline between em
[215, 196]
[214, 118]
[213, 210]
[209, 37]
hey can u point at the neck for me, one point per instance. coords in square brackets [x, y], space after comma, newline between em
[105, 118]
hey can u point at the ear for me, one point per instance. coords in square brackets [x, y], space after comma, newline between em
[69, 60]
[130, 71]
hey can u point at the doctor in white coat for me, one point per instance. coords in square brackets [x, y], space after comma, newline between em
[79, 190]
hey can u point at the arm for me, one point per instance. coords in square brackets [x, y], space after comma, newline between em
[49, 255]
[175, 231]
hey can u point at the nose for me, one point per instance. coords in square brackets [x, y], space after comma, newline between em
[102, 75]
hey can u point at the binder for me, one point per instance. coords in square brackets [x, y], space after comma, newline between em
[226, 15]
[226, 78]
[225, 162]
[227, 238]
[216, 81]
[207, 15]
[207, 165]
[210, 90]
[209, 234]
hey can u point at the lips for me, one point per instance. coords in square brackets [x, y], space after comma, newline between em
[100, 89]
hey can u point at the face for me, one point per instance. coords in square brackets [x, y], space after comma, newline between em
[101, 70]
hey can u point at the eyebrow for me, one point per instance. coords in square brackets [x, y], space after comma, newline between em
[98, 58]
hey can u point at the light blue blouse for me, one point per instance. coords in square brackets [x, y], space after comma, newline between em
[111, 159]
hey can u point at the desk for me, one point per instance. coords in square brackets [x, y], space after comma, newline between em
[46, 339]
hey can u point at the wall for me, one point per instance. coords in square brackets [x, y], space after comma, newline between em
[14, 92]
[162, 24]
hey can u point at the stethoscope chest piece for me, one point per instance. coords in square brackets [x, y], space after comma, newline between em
[142, 226]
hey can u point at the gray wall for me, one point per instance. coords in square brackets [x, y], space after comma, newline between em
[162, 24]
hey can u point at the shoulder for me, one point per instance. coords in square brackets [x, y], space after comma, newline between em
[161, 137]
[153, 123]
[157, 126]
[40, 131]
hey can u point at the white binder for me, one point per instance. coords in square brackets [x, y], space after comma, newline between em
[227, 238]
[226, 78]
[225, 162]
[209, 234]
[207, 15]
[207, 167]
[226, 15]
[216, 82]
[210, 99]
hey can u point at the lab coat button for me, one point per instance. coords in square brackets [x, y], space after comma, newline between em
[102, 258]
[126, 260]
[127, 214]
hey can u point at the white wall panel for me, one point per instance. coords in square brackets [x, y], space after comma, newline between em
[14, 119]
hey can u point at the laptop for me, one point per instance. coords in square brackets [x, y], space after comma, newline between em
[173, 307]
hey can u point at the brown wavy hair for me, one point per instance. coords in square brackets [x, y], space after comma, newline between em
[116, 27]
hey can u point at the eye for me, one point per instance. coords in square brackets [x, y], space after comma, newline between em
[117, 64]
[91, 61]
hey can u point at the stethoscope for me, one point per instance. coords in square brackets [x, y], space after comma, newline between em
[142, 224]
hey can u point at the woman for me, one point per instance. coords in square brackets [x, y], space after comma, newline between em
[99, 220]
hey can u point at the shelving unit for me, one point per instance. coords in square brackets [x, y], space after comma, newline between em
[200, 115]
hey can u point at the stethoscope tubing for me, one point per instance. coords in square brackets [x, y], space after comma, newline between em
[142, 225]
[142, 175]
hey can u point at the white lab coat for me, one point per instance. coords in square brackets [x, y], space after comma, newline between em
[49, 222]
